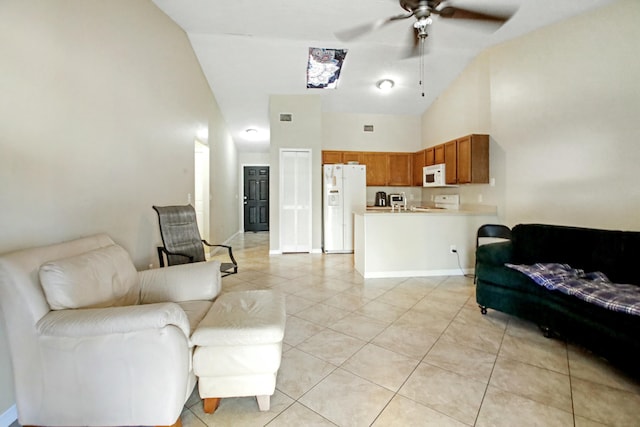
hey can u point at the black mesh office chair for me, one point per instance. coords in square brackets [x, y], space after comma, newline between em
[182, 241]
[495, 231]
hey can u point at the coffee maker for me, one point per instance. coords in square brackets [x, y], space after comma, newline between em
[381, 198]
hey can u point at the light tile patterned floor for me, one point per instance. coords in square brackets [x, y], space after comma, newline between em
[411, 352]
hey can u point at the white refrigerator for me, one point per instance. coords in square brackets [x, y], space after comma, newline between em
[344, 191]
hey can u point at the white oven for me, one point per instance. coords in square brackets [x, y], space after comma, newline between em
[434, 176]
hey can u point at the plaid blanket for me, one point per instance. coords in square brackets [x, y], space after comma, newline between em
[592, 287]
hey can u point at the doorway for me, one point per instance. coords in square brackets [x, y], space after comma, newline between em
[256, 198]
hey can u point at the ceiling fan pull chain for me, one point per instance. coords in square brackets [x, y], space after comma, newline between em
[422, 65]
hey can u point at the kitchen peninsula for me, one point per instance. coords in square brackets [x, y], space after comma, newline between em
[410, 243]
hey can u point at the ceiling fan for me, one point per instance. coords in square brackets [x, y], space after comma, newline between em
[422, 11]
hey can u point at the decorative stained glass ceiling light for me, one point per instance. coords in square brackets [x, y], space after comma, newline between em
[323, 68]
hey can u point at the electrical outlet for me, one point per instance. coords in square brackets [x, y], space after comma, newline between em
[453, 249]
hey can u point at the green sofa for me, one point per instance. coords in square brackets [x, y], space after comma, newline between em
[612, 334]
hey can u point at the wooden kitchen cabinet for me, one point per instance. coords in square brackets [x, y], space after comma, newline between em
[466, 160]
[451, 162]
[473, 159]
[400, 168]
[418, 163]
[438, 154]
[353, 156]
[334, 156]
[331, 157]
[377, 168]
[429, 156]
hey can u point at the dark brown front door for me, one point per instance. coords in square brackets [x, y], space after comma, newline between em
[256, 198]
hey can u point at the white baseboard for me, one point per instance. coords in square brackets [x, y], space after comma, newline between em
[419, 273]
[215, 250]
[279, 252]
[226, 242]
[9, 416]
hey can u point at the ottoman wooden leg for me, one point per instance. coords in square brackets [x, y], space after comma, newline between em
[211, 404]
[264, 402]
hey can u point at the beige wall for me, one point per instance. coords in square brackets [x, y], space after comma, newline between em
[304, 131]
[566, 115]
[101, 102]
[564, 103]
[224, 206]
[391, 132]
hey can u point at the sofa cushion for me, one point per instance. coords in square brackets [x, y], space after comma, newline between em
[195, 311]
[103, 277]
[615, 253]
[494, 253]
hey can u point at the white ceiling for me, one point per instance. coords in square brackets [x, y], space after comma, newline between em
[250, 49]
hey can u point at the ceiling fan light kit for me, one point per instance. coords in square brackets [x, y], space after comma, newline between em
[422, 11]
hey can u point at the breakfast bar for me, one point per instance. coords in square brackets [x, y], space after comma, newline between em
[417, 242]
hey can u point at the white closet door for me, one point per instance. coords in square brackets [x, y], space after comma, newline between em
[295, 200]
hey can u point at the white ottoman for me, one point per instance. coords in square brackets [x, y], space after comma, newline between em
[239, 347]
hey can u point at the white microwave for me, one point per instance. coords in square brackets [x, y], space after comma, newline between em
[434, 176]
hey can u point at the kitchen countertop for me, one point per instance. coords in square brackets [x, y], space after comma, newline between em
[430, 210]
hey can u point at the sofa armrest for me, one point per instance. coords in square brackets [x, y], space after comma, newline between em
[495, 253]
[178, 283]
[93, 322]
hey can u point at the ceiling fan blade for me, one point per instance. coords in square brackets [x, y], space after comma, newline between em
[452, 12]
[360, 30]
[413, 48]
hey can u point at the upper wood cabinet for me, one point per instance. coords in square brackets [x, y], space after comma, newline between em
[473, 159]
[429, 157]
[377, 168]
[400, 167]
[466, 160]
[353, 156]
[334, 156]
[331, 157]
[438, 154]
[451, 162]
[418, 163]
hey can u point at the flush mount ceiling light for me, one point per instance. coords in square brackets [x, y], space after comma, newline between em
[251, 133]
[385, 84]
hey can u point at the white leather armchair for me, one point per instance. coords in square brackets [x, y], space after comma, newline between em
[95, 343]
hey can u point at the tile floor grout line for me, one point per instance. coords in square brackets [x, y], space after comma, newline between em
[495, 361]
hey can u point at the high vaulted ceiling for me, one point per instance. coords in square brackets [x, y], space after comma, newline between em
[250, 49]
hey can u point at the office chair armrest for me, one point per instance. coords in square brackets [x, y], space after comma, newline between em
[229, 249]
[163, 251]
